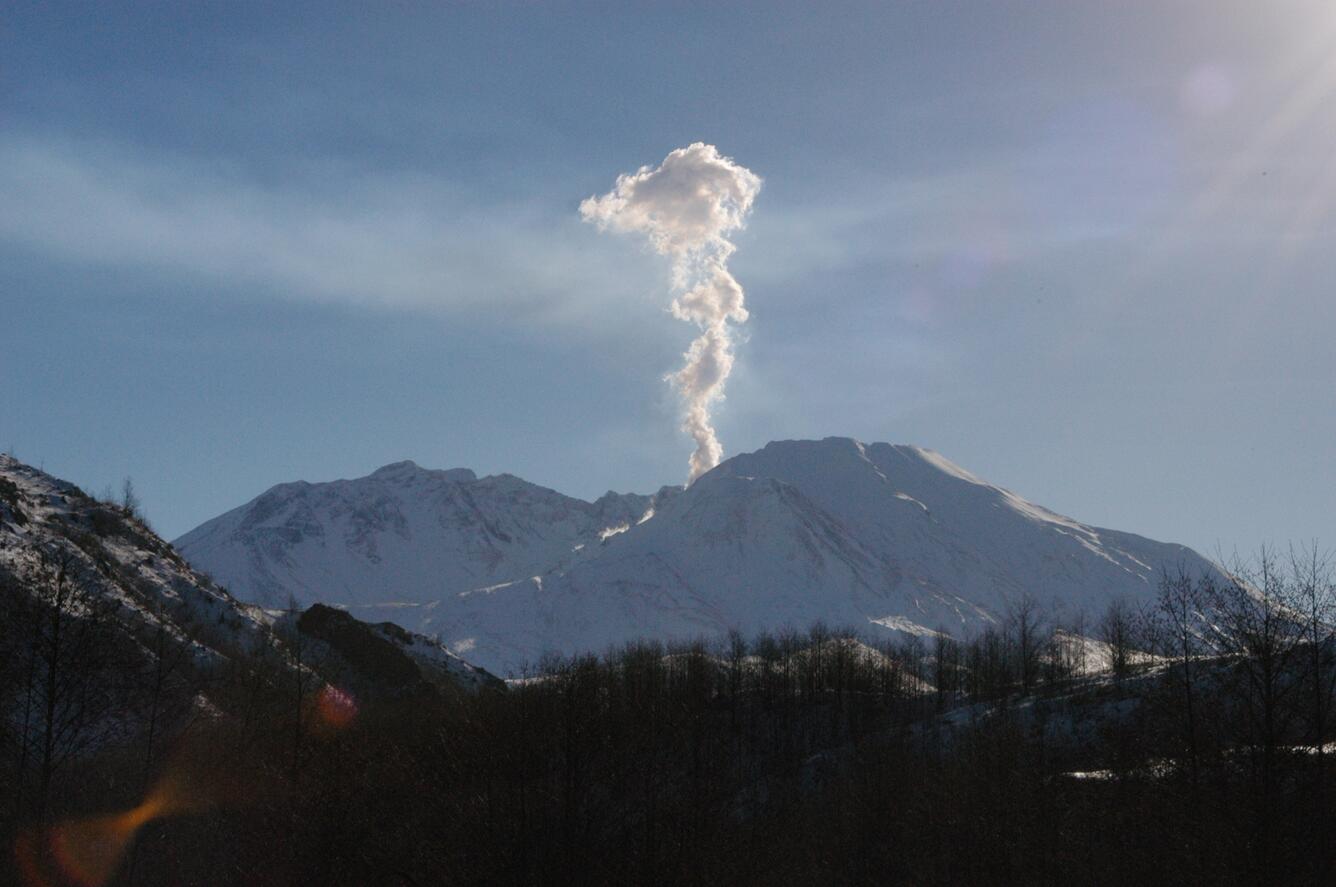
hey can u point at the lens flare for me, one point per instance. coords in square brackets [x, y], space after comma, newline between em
[88, 852]
[336, 708]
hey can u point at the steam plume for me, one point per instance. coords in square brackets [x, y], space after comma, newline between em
[686, 208]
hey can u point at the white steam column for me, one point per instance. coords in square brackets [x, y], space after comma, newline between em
[687, 207]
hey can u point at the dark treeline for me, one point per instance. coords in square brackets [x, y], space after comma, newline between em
[1183, 744]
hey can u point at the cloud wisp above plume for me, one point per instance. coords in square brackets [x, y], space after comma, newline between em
[686, 208]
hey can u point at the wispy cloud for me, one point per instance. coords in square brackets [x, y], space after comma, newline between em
[409, 242]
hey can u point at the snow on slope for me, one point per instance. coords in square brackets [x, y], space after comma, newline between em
[884, 539]
[115, 556]
[950, 535]
[120, 558]
[401, 534]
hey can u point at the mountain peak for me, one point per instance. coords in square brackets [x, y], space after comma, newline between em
[408, 468]
[848, 457]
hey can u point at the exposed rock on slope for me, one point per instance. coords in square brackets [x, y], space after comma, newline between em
[386, 657]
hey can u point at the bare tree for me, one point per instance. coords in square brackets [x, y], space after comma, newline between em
[129, 499]
[736, 657]
[1251, 617]
[1116, 631]
[1314, 599]
[15, 700]
[945, 667]
[165, 692]
[1027, 626]
[1176, 624]
[71, 688]
[1077, 653]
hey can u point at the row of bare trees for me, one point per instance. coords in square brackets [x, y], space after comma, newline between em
[63, 676]
[817, 757]
[85, 678]
[814, 756]
[1249, 669]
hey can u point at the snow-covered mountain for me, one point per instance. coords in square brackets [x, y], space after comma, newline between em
[104, 554]
[876, 537]
[401, 535]
[62, 547]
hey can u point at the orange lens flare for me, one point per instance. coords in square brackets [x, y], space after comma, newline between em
[336, 707]
[88, 852]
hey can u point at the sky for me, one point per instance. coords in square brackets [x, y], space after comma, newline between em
[1086, 250]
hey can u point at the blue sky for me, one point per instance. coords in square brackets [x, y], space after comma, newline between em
[1083, 249]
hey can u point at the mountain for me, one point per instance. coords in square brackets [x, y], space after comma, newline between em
[881, 538]
[104, 555]
[403, 533]
[128, 596]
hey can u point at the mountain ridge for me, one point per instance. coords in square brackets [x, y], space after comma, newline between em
[878, 537]
[61, 548]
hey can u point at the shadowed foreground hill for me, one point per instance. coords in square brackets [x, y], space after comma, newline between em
[115, 656]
